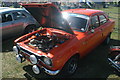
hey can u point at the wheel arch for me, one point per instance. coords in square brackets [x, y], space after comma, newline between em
[74, 55]
[28, 26]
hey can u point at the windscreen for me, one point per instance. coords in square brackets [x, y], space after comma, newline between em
[76, 21]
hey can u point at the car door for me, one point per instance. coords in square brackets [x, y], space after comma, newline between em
[19, 20]
[7, 25]
[94, 34]
[105, 25]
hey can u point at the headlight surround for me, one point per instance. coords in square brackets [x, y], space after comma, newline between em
[33, 59]
[15, 49]
[47, 61]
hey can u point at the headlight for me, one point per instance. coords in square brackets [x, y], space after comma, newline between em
[47, 61]
[19, 58]
[15, 49]
[33, 59]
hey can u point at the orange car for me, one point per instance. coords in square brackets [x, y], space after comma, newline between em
[65, 37]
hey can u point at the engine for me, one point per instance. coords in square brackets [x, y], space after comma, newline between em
[46, 42]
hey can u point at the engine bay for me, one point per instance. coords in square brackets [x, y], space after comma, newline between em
[45, 41]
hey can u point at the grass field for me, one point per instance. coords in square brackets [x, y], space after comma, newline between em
[114, 14]
[93, 66]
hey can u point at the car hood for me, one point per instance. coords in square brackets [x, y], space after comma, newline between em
[48, 15]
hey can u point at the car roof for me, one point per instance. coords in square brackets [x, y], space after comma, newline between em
[87, 12]
[6, 9]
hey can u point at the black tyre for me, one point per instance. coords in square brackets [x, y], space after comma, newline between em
[29, 29]
[71, 66]
[107, 40]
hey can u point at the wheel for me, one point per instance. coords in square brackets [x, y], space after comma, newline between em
[29, 29]
[71, 66]
[107, 40]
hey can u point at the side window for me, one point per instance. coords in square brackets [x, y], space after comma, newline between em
[94, 22]
[6, 17]
[0, 18]
[102, 19]
[18, 15]
[23, 15]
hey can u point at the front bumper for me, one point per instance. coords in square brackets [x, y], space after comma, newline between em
[51, 72]
[37, 70]
[20, 57]
[114, 65]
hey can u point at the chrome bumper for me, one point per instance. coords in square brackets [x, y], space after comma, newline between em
[45, 70]
[51, 72]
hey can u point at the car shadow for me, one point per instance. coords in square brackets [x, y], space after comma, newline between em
[30, 75]
[94, 65]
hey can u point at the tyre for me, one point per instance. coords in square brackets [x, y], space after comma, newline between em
[107, 40]
[29, 29]
[71, 66]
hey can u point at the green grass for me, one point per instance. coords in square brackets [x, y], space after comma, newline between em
[11, 68]
[113, 15]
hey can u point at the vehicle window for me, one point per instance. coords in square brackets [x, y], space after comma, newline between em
[94, 22]
[18, 15]
[77, 21]
[23, 15]
[0, 18]
[6, 17]
[102, 19]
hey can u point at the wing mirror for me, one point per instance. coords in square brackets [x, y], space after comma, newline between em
[92, 30]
